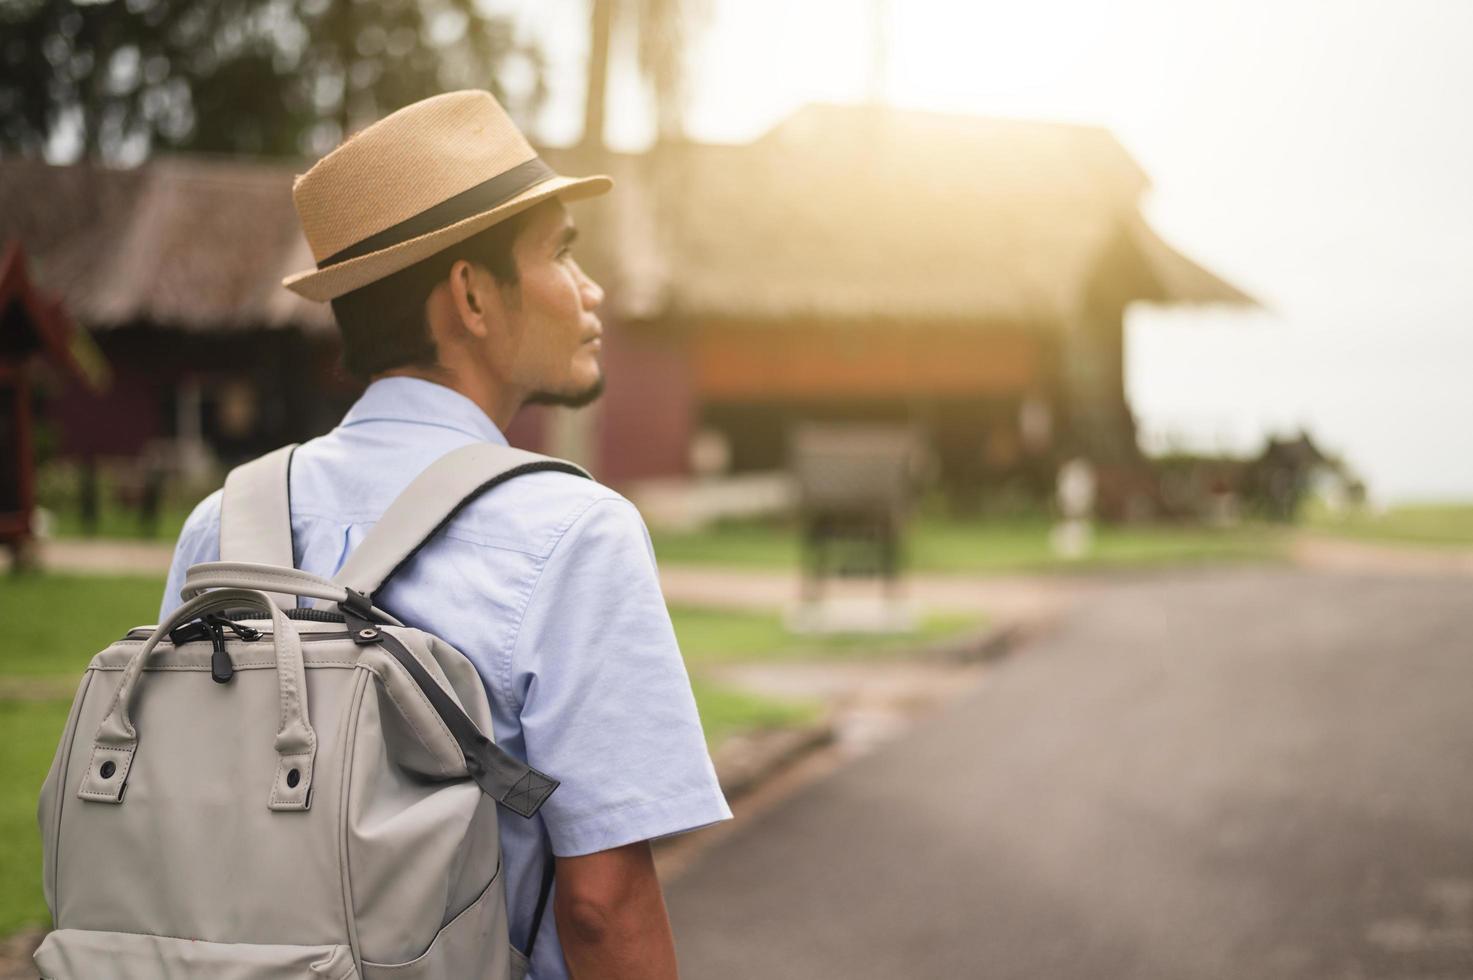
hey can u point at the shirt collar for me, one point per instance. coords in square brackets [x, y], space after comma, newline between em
[423, 402]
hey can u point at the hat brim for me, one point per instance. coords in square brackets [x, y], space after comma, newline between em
[322, 285]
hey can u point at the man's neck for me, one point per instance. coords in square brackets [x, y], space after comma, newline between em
[499, 404]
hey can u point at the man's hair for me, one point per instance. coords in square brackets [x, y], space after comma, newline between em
[384, 324]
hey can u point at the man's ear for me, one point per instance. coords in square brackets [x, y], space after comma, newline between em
[471, 298]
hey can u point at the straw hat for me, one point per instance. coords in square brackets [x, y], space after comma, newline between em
[414, 183]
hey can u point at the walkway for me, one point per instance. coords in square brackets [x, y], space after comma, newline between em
[1242, 773]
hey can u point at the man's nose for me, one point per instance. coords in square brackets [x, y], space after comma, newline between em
[593, 293]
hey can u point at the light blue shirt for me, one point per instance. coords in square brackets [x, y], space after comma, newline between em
[548, 584]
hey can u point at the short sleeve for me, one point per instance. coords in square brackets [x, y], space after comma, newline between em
[605, 702]
[198, 541]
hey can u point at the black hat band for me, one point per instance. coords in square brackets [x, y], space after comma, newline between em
[476, 200]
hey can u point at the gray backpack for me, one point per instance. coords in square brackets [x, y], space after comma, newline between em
[254, 791]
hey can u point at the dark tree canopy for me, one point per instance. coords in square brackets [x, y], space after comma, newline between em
[116, 79]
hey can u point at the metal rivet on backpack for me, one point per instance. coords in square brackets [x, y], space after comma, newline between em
[108, 769]
[368, 634]
[293, 777]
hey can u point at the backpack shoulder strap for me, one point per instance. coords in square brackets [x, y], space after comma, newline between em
[256, 514]
[445, 488]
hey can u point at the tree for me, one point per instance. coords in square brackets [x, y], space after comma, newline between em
[666, 28]
[663, 29]
[114, 79]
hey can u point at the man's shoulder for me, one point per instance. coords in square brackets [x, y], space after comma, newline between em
[204, 520]
[532, 512]
[529, 513]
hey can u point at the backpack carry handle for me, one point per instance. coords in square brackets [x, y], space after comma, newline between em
[116, 740]
[268, 578]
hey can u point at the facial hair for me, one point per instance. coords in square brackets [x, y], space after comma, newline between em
[576, 399]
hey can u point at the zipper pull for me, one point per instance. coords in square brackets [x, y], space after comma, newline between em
[247, 633]
[221, 669]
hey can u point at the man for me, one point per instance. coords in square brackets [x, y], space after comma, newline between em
[444, 246]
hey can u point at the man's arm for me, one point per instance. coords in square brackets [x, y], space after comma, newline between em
[611, 916]
[606, 707]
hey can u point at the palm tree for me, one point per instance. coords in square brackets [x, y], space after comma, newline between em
[663, 29]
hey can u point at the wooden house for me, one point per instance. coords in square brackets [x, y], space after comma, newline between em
[175, 268]
[967, 276]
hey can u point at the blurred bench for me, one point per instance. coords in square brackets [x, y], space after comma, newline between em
[855, 487]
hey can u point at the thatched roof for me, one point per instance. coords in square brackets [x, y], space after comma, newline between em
[871, 212]
[1180, 280]
[193, 243]
[839, 212]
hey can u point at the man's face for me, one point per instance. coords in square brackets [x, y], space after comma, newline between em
[555, 336]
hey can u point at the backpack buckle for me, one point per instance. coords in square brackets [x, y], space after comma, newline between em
[357, 610]
[357, 603]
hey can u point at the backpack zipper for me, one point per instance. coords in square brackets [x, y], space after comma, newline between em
[221, 669]
[196, 630]
[194, 636]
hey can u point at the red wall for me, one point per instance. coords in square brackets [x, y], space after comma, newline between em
[528, 429]
[648, 411]
[763, 363]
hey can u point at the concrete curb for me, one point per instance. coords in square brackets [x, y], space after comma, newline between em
[16, 951]
[977, 647]
[744, 762]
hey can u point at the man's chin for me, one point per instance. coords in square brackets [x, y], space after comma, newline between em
[575, 399]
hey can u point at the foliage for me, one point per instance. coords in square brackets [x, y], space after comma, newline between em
[267, 77]
[1272, 486]
[664, 30]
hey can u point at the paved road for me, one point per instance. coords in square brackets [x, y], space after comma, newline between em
[1251, 774]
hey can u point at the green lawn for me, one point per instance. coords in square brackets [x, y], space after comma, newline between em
[984, 547]
[29, 732]
[949, 546]
[726, 711]
[53, 626]
[1445, 525]
[55, 623]
[713, 636]
[115, 523]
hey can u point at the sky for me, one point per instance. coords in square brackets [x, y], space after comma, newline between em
[1316, 153]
